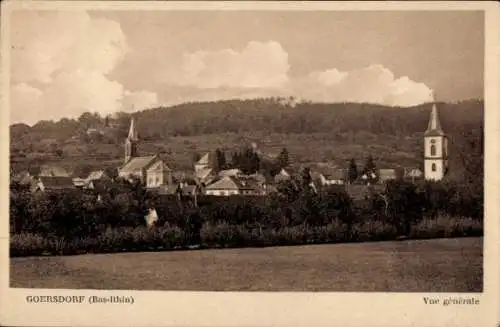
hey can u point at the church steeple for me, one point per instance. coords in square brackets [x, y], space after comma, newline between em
[131, 143]
[434, 127]
[132, 133]
[435, 148]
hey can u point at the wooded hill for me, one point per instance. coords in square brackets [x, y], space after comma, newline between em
[311, 131]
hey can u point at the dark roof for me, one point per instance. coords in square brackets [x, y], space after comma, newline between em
[229, 183]
[335, 174]
[97, 174]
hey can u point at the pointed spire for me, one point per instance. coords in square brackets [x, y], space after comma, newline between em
[434, 125]
[132, 133]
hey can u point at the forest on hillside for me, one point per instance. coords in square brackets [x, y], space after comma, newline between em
[338, 130]
[269, 115]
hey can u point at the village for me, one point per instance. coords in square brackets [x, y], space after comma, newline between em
[208, 177]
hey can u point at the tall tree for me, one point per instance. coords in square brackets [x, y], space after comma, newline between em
[369, 165]
[370, 170]
[283, 158]
[470, 146]
[196, 157]
[352, 173]
[306, 178]
[221, 158]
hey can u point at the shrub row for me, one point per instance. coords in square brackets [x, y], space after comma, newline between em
[224, 235]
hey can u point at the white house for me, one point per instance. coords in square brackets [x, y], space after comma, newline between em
[229, 185]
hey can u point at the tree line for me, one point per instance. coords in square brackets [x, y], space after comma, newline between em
[265, 115]
[401, 206]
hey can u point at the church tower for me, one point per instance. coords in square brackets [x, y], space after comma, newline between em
[435, 148]
[131, 143]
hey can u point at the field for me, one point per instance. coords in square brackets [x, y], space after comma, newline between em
[444, 265]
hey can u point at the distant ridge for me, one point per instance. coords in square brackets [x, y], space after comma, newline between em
[268, 115]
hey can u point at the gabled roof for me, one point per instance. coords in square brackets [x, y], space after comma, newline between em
[96, 174]
[202, 174]
[434, 126]
[334, 173]
[138, 163]
[56, 182]
[413, 172]
[205, 160]
[228, 183]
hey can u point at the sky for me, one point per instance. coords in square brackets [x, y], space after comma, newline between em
[64, 63]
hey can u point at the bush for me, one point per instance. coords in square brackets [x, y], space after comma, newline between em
[79, 221]
[447, 226]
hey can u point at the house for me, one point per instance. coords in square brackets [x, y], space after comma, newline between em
[98, 175]
[205, 175]
[258, 181]
[413, 173]
[53, 171]
[53, 183]
[369, 177]
[79, 182]
[150, 170]
[385, 175]
[283, 175]
[229, 185]
[330, 176]
[204, 162]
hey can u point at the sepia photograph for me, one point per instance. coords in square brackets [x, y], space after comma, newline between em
[278, 151]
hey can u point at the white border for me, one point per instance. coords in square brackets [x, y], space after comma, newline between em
[265, 309]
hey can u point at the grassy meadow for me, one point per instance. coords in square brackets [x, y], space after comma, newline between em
[441, 265]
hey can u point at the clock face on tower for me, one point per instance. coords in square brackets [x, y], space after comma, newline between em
[433, 141]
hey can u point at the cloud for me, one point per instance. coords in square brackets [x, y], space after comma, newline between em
[76, 92]
[258, 65]
[261, 69]
[60, 66]
[62, 62]
[25, 99]
[372, 84]
[45, 43]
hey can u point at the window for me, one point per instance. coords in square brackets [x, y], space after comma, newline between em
[433, 150]
[433, 167]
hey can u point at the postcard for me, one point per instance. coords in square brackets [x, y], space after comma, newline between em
[249, 163]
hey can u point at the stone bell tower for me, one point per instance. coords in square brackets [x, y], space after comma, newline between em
[435, 148]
